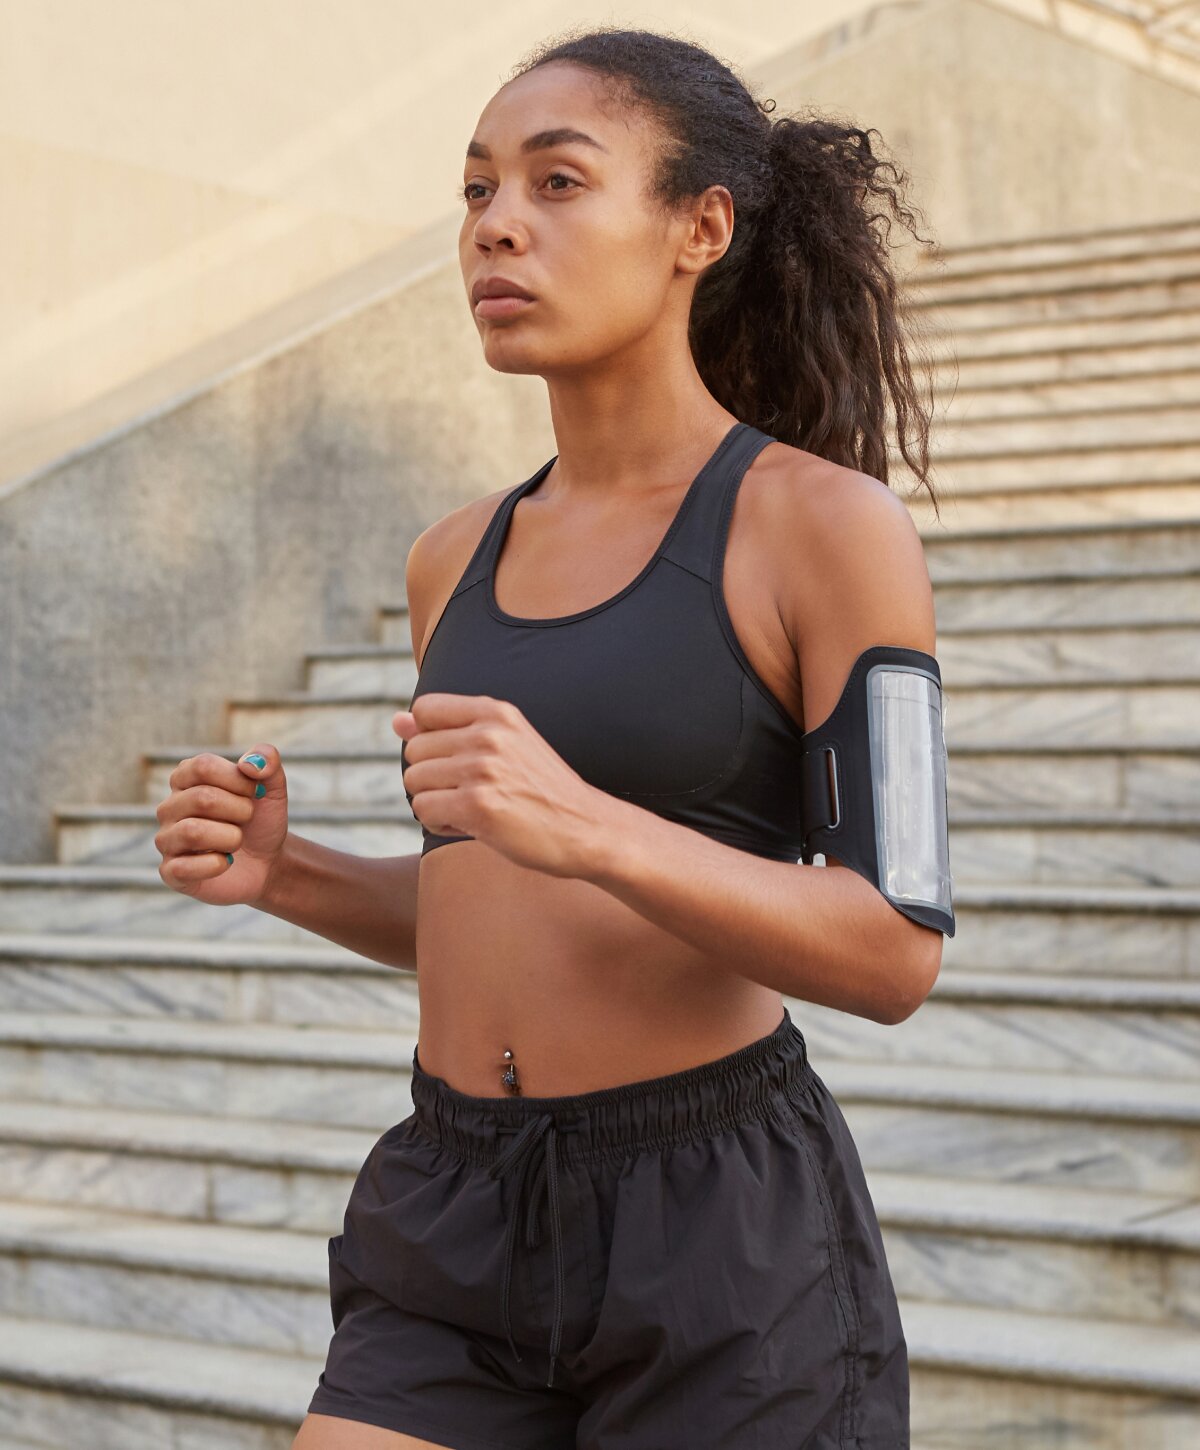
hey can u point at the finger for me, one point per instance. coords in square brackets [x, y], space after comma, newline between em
[404, 724]
[202, 866]
[441, 710]
[262, 765]
[209, 768]
[211, 801]
[436, 773]
[436, 813]
[193, 833]
[438, 744]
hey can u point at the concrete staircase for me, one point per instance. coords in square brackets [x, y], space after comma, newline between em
[187, 1093]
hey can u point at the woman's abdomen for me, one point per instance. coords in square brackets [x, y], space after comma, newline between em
[583, 990]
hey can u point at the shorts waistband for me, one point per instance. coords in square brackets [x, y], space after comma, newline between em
[697, 1102]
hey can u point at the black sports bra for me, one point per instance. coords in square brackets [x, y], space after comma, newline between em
[648, 695]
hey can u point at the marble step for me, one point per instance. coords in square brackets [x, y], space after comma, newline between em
[1052, 653]
[101, 902]
[968, 351]
[1122, 715]
[1076, 930]
[1168, 422]
[354, 669]
[1057, 251]
[1120, 1255]
[1052, 464]
[1037, 1022]
[1075, 396]
[989, 1377]
[256, 1172]
[992, 776]
[956, 282]
[1093, 847]
[1136, 294]
[74, 1387]
[1131, 602]
[123, 833]
[1134, 715]
[317, 778]
[1040, 499]
[267, 1288]
[197, 977]
[1107, 1254]
[1077, 1129]
[1098, 553]
[989, 378]
[333, 1077]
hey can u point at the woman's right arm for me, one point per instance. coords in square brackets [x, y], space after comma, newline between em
[365, 903]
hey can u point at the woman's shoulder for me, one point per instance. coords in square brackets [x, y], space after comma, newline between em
[845, 540]
[849, 568]
[439, 555]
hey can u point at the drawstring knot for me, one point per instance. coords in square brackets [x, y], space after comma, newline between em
[537, 1132]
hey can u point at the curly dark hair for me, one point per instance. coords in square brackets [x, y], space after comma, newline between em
[795, 328]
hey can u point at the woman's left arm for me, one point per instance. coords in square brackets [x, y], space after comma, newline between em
[822, 934]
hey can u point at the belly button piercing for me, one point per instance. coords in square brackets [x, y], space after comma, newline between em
[509, 1079]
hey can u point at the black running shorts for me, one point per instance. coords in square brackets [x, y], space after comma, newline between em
[690, 1262]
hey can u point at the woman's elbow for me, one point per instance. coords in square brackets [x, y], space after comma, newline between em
[920, 951]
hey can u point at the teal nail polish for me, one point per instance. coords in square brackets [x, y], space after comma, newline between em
[257, 761]
[229, 857]
[260, 790]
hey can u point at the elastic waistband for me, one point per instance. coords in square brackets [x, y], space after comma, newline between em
[654, 1112]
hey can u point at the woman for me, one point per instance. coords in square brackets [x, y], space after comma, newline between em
[617, 660]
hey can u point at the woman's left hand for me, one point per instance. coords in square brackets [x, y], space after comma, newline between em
[477, 767]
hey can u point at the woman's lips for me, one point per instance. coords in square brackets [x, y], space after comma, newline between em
[502, 306]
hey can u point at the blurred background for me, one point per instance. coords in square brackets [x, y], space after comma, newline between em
[239, 375]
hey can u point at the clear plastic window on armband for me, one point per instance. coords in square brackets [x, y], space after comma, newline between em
[906, 730]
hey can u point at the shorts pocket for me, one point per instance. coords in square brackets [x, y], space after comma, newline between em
[800, 1110]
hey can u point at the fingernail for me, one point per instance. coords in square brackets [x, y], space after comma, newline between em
[260, 789]
[257, 761]
[229, 857]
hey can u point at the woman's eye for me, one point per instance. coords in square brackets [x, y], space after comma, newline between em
[465, 192]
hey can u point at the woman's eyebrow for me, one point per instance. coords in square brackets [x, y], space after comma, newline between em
[541, 141]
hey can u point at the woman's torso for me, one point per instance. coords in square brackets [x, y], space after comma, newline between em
[585, 992]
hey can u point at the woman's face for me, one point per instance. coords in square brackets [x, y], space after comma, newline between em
[568, 221]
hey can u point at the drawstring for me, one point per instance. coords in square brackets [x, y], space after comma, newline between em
[519, 1153]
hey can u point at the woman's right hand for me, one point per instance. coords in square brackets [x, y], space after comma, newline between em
[213, 810]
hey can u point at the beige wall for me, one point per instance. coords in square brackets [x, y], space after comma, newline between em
[170, 169]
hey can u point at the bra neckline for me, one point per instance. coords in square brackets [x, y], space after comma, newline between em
[519, 493]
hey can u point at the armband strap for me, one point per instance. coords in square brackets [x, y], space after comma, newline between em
[873, 783]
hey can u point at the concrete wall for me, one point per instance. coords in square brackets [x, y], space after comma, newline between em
[196, 556]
